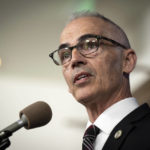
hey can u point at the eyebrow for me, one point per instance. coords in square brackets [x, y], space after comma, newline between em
[81, 38]
[63, 45]
[85, 36]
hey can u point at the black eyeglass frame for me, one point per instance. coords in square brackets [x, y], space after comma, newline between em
[51, 55]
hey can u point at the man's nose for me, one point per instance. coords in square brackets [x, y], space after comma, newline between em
[77, 59]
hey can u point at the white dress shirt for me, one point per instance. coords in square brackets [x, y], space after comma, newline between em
[110, 118]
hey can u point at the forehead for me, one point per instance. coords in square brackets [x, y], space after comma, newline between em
[81, 26]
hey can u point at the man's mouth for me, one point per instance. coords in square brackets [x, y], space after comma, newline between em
[81, 77]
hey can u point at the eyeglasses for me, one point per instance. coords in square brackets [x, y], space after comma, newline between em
[87, 45]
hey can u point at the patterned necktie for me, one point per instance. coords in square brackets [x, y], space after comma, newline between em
[89, 138]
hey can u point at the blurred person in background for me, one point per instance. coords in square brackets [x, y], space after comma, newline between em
[96, 60]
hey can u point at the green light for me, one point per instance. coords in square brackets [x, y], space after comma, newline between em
[86, 5]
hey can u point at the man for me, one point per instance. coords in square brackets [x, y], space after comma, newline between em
[96, 61]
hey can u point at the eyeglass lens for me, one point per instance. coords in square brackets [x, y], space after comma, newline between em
[85, 47]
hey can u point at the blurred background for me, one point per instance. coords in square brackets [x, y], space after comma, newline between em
[29, 31]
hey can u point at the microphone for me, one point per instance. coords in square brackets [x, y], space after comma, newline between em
[35, 115]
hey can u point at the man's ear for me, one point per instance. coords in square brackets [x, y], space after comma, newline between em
[129, 60]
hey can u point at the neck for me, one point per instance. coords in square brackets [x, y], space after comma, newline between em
[98, 106]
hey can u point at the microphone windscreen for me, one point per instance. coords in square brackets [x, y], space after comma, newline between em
[38, 114]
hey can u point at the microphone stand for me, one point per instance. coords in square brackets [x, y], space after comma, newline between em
[4, 140]
[7, 132]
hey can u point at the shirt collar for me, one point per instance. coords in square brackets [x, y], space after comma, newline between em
[114, 114]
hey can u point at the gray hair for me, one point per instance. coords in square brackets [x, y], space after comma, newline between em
[81, 14]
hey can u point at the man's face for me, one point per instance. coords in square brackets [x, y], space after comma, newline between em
[97, 77]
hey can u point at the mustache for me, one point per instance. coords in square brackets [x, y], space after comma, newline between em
[82, 69]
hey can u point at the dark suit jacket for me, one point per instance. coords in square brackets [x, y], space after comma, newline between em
[135, 131]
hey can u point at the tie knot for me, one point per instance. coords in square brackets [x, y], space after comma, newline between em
[91, 133]
[89, 137]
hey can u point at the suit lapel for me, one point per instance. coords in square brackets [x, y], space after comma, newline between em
[124, 128]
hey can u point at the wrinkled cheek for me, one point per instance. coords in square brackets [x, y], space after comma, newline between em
[66, 76]
[113, 65]
[70, 87]
[112, 76]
